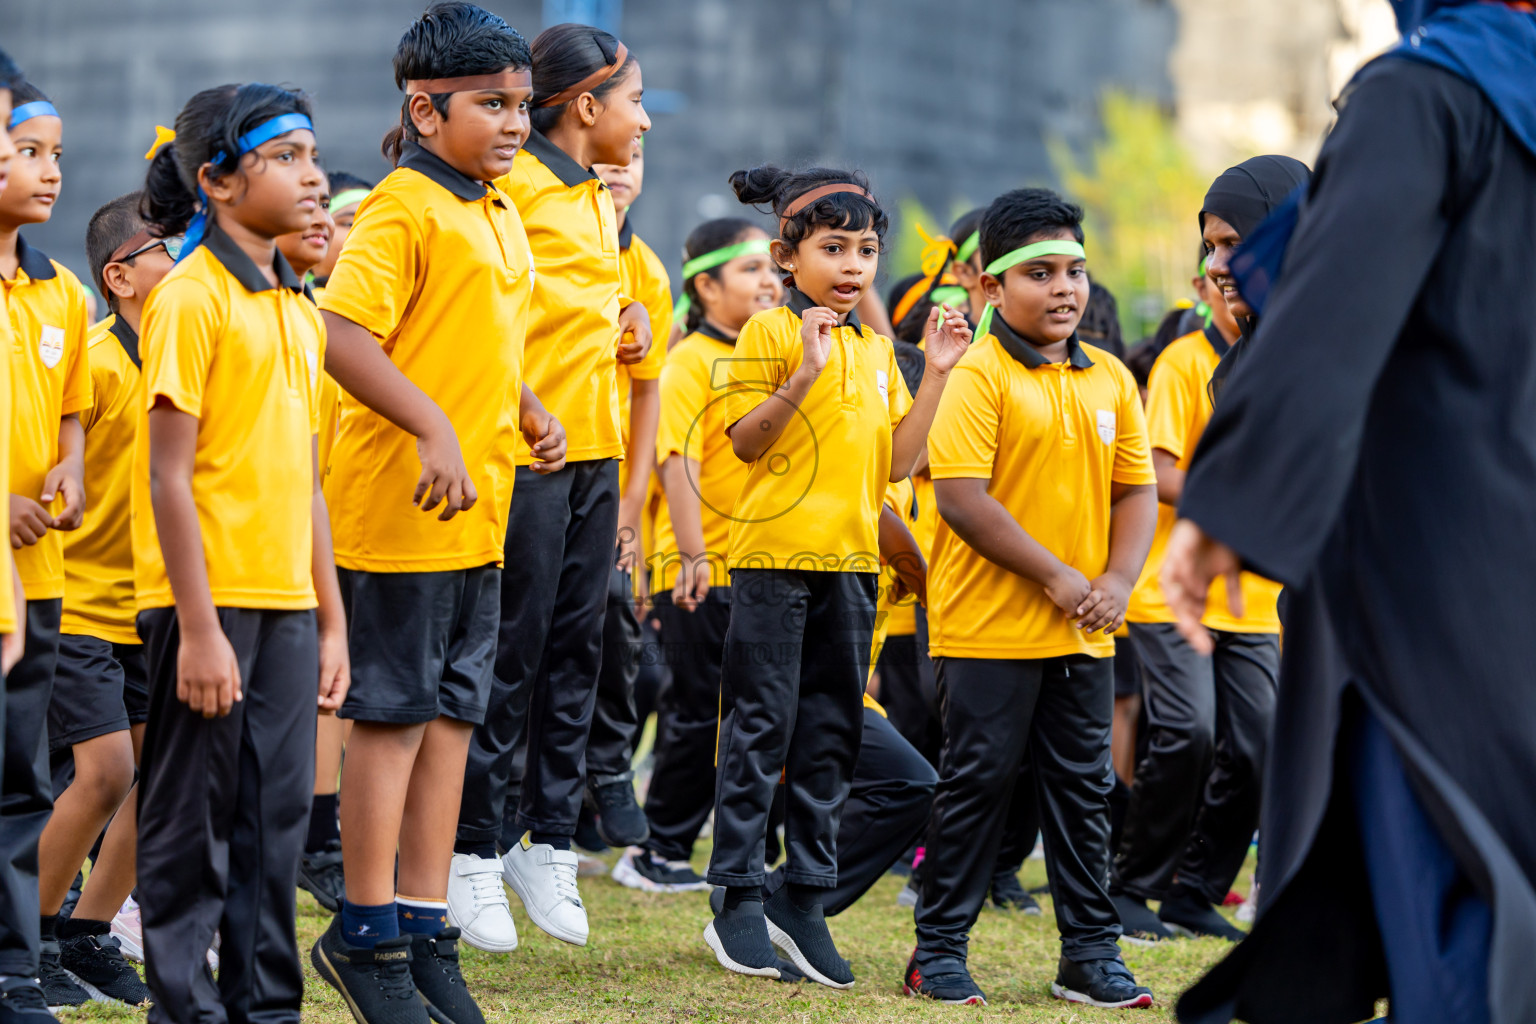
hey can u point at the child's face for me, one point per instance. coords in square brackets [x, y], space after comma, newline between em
[7, 148]
[130, 280]
[834, 267]
[277, 189]
[1221, 242]
[620, 121]
[1043, 298]
[624, 182]
[34, 182]
[747, 285]
[304, 250]
[483, 130]
[341, 224]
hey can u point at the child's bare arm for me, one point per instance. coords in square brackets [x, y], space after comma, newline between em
[331, 616]
[1132, 523]
[67, 477]
[899, 550]
[677, 474]
[983, 523]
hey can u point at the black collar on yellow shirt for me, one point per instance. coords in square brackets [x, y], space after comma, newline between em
[1030, 356]
[626, 234]
[243, 269]
[128, 338]
[1217, 339]
[558, 161]
[799, 302]
[425, 162]
[34, 261]
[709, 330]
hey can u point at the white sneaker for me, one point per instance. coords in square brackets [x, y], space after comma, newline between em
[544, 878]
[477, 904]
[128, 929]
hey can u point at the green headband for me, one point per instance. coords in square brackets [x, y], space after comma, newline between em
[348, 196]
[709, 261]
[951, 294]
[968, 247]
[1052, 247]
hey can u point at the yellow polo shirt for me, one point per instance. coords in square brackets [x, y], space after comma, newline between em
[8, 598]
[1178, 408]
[813, 500]
[437, 268]
[244, 357]
[571, 361]
[98, 557]
[642, 277]
[50, 379]
[901, 616]
[1051, 439]
[693, 385]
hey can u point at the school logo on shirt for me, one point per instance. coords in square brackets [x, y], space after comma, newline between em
[883, 385]
[1107, 425]
[50, 346]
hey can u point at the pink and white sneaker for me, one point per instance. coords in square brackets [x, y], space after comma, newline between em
[128, 929]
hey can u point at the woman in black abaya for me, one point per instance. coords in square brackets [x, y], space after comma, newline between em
[1375, 450]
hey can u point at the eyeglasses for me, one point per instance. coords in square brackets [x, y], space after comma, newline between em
[172, 247]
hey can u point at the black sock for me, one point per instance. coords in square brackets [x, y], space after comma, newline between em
[71, 927]
[476, 848]
[804, 898]
[550, 839]
[50, 927]
[322, 823]
[736, 895]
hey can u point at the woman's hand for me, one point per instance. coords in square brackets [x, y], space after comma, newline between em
[1192, 561]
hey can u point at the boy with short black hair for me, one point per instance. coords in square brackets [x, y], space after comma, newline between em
[50, 387]
[1045, 488]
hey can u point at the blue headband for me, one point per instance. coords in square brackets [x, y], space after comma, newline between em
[264, 132]
[27, 111]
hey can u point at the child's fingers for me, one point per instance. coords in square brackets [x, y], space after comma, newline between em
[470, 495]
[422, 486]
[435, 493]
[453, 499]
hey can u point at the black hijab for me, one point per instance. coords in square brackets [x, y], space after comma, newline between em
[1243, 196]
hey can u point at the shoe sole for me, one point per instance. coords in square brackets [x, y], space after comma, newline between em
[131, 949]
[713, 939]
[1062, 992]
[1183, 932]
[538, 917]
[97, 995]
[627, 875]
[1137, 940]
[968, 1001]
[331, 977]
[484, 945]
[322, 897]
[620, 842]
[779, 937]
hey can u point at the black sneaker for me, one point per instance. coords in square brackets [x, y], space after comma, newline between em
[620, 821]
[803, 934]
[320, 876]
[1107, 984]
[435, 969]
[376, 983]
[59, 986]
[1009, 894]
[789, 973]
[1193, 917]
[947, 981]
[22, 1002]
[1140, 927]
[739, 939]
[98, 964]
[587, 837]
[641, 869]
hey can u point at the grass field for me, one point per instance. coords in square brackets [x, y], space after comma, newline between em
[646, 962]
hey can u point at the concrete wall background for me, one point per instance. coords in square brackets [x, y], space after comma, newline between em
[950, 102]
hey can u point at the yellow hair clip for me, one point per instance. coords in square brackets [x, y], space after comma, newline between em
[163, 137]
[936, 250]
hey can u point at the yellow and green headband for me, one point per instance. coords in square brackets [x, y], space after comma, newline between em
[1032, 251]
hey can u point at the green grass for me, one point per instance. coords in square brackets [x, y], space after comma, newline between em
[647, 962]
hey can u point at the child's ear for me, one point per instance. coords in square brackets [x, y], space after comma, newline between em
[965, 274]
[115, 278]
[221, 189]
[992, 288]
[587, 109]
[707, 287]
[423, 114]
[783, 253]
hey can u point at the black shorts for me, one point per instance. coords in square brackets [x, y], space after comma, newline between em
[423, 643]
[99, 687]
[1127, 668]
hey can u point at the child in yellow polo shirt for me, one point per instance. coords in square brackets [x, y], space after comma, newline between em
[586, 110]
[239, 609]
[727, 277]
[1045, 490]
[50, 386]
[426, 313]
[615, 719]
[818, 409]
[101, 687]
[1192, 814]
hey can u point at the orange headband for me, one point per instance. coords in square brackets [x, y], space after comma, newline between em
[469, 83]
[807, 198]
[589, 83]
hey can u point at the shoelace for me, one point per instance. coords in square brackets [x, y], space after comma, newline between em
[486, 890]
[25, 997]
[565, 882]
[394, 978]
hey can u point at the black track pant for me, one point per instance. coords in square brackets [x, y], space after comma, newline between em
[682, 789]
[554, 592]
[26, 787]
[1056, 712]
[796, 662]
[886, 810]
[615, 721]
[1195, 802]
[223, 813]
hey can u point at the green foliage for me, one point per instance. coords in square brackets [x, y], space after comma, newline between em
[1142, 195]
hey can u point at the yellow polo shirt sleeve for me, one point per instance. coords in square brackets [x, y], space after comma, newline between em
[1133, 454]
[77, 374]
[1171, 406]
[759, 367]
[962, 443]
[898, 398]
[7, 590]
[188, 320]
[382, 259]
